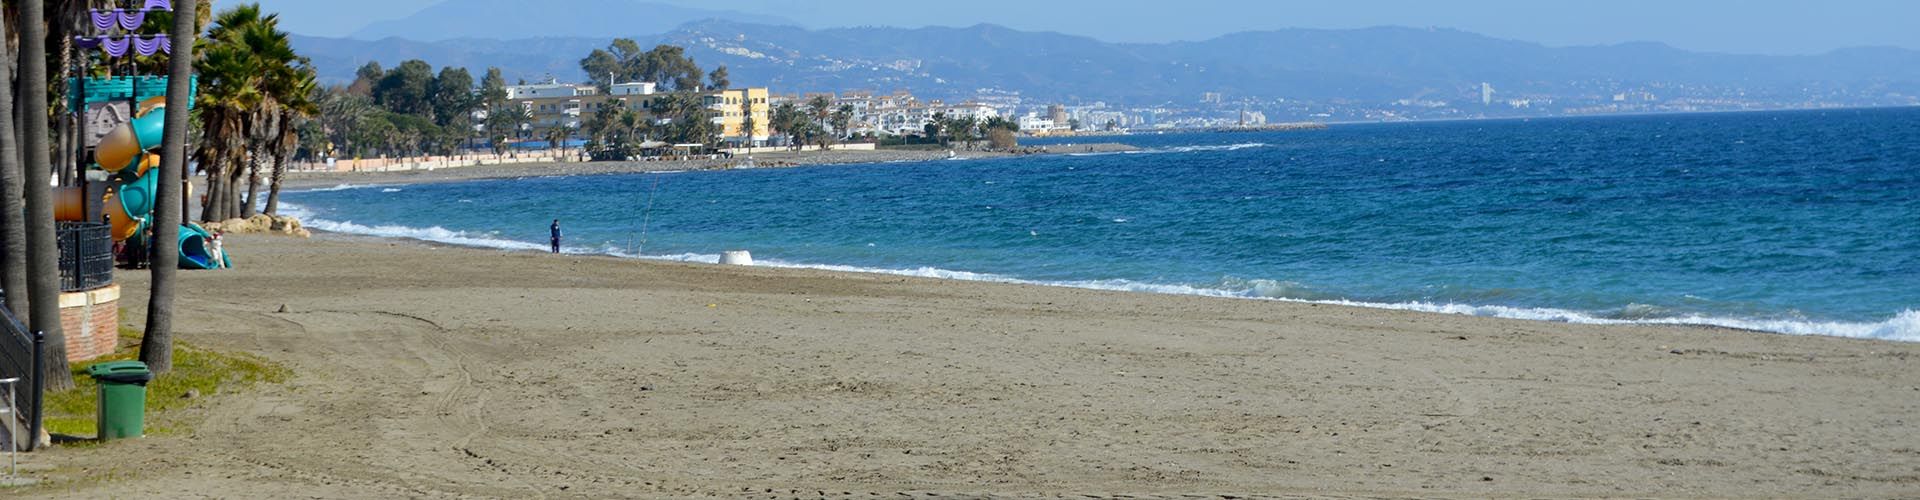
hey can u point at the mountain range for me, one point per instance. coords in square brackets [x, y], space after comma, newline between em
[1357, 65]
[517, 19]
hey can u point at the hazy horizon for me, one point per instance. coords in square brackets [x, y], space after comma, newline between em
[1774, 27]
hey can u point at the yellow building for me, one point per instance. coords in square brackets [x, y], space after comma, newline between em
[730, 109]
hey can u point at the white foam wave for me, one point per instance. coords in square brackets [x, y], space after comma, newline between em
[1195, 149]
[391, 190]
[1904, 326]
[338, 187]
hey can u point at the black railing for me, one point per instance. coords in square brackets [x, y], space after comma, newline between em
[22, 355]
[86, 256]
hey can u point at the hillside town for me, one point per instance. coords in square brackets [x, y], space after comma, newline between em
[555, 105]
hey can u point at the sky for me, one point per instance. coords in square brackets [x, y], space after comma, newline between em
[1733, 26]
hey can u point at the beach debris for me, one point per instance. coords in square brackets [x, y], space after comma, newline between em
[283, 309]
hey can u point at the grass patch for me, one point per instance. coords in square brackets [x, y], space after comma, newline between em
[203, 372]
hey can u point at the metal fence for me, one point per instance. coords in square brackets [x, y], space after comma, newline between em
[86, 256]
[23, 355]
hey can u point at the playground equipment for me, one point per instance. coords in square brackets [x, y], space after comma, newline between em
[128, 154]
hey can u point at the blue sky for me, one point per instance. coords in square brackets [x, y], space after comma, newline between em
[1739, 26]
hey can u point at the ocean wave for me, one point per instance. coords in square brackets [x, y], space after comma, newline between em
[1904, 326]
[435, 233]
[391, 190]
[1196, 149]
[338, 187]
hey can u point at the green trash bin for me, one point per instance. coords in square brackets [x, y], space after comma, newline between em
[123, 397]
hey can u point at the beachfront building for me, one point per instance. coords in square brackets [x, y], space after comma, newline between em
[730, 112]
[551, 89]
[1033, 123]
[555, 104]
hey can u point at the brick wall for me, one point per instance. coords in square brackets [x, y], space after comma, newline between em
[91, 321]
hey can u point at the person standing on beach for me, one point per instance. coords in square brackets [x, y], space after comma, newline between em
[555, 229]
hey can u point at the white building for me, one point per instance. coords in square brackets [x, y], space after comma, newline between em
[631, 88]
[550, 89]
[972, 110]
[1033, 123]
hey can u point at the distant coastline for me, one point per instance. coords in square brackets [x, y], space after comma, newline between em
[309, 180]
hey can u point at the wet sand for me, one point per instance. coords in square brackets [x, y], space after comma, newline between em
[430, 371]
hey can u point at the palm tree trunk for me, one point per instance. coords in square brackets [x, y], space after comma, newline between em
[209, 165]
[156, 345]
[236, 175]
[13, 230]
[284, 148]
[43, 263]
[253, 186]
[273, 186]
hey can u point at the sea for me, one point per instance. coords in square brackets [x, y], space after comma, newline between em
[1801, 222]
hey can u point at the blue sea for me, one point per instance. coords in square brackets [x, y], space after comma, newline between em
[1801, 222]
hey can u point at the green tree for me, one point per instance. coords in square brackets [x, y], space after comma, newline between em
[453, 97]
[961, 128]
[622, 61]
[842, 120]
[557, 139]
[602, 68]
[407, 88]
[718, 78]
[342, 113]
[366, 78]
[937, 129]
[297, 107]
[500, 121]
[248, 71]
[790, 121]
[746, 118]
[689, 120]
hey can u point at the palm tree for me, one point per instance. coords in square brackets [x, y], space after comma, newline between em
[557, 138]
[156, 344]
[298, 108]
[13, 230]
[842, 119]
[43, 266]
[248, 73]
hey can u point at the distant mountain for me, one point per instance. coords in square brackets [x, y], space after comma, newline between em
[516, 19]
[1361, 65]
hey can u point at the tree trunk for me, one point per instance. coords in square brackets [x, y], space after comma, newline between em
[235, 174]
[211, 165]
[273, 187]
[13, 229]
[63, 143]
[156, 345]
[43, 258]
[253, 188]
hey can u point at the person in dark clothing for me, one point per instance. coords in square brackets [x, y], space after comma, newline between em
[555, 229]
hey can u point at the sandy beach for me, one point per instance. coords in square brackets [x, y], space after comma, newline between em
[297, 180]
[432, 371]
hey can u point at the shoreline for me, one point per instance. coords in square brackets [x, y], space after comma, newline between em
[1863, 330]
[474, 372]
[311, 180]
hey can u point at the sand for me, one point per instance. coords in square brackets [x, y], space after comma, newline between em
[429, 371]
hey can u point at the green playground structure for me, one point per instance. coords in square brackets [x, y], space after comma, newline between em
[128, 153]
